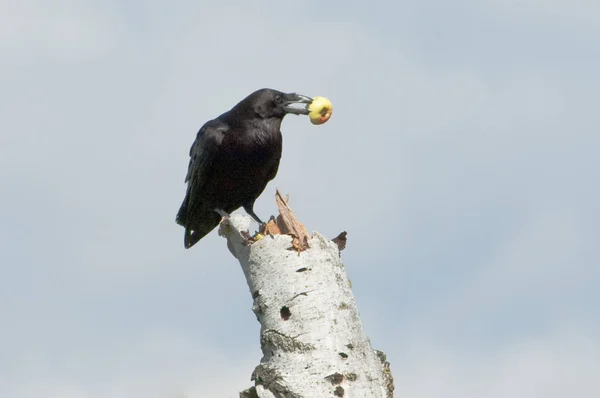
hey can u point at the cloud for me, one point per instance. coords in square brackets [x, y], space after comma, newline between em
[461, 169]
[64, 30]
[555, 365]
[167, 364]
[539, 276]
[157, 363]
[579, 15]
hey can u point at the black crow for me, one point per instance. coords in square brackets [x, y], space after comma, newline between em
[233, 158]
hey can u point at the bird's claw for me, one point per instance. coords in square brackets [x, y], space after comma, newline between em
[249, 239]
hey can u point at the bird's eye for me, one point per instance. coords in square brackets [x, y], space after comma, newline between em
[278, 98]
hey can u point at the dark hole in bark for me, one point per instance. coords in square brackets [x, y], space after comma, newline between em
[335, 378]
[285, 313]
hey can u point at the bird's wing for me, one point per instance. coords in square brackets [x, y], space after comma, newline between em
[203, 150]
[273, 170]
[202, 155]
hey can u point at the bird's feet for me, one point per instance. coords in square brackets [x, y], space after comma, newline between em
[249, 239]
[263, 230]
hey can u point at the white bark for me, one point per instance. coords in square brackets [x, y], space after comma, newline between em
[311, 337]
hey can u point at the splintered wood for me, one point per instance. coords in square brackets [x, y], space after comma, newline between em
[340, 240]
[287, 224]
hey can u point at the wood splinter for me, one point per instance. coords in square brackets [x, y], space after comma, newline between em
[286, 223]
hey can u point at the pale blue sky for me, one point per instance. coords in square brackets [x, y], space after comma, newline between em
[462, 159]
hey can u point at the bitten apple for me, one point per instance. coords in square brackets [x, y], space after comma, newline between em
[320, 110]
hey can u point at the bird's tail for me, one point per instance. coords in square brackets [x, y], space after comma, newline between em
[192, 237]
[181, 217]
[199, 229]
[197, 224]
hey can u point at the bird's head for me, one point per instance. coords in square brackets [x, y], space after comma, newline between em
[269, 103]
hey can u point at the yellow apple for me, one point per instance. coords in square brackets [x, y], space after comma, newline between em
[320, 110]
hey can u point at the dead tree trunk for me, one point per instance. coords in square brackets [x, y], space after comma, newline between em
[311, 337]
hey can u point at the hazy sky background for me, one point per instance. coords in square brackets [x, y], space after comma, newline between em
[462, 159]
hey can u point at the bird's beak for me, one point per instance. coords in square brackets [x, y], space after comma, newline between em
[294, 98]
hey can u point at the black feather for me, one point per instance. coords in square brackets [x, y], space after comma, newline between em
[231, 161]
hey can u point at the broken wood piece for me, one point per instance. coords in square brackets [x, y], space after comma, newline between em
[288, 224]
[340, 240]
